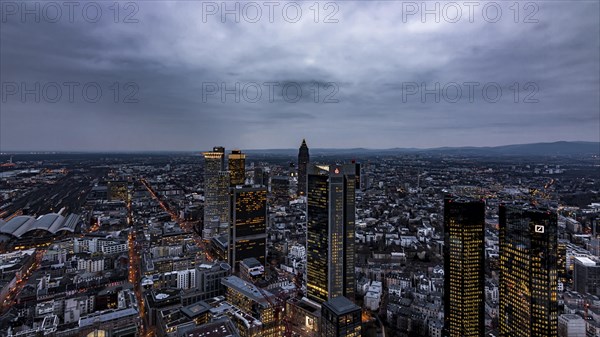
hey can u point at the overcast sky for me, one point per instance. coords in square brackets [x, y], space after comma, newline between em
[370, 68]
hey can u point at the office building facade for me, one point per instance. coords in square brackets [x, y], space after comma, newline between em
[248, 233]
[586, 276]
[237, 168]
[464, 267]
[330, 232]
[340, 318]
[216, 194]
[528, 272]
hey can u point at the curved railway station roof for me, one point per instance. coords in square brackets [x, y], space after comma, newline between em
[51, 223]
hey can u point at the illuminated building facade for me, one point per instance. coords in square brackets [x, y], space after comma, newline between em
[259, 304]
[340, 317]
[330, 232]
[237, 167]
[303, 159]
[563, 276]
[248, 234]
[528, 272]
[304, 317]
[216, 209]
[214, 161]
[280, 187]
[464, 267]
[216, 194]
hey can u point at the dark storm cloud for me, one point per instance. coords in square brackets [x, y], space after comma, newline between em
[361, 64]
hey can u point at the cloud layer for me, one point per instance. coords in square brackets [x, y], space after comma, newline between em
[373, 66]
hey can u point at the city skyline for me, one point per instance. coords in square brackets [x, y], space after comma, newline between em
[193, 168]
[373, 54]
[515, 250]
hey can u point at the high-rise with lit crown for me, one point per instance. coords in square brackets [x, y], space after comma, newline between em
[303, 159]
[237, 167]
[216, 193]
[330, 232]
[464, 262]
[214, 161]
[528, 272]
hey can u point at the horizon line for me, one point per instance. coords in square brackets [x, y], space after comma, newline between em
[5, 152]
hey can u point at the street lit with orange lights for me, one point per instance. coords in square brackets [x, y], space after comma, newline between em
[134, 278]
[185, 225]
[21, 281]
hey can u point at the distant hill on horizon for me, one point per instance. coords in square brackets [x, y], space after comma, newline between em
[560, 148]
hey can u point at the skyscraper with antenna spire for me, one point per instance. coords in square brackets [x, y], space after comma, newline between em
[303, 159]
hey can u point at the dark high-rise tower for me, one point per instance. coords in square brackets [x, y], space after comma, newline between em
[464, 263]
[237, 167]
[248, 234]
[330, 232]
[303, 159]
[357, 174]
[261, 177]
[528, 272]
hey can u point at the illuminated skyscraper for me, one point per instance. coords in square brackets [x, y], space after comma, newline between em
[464, 263]
[528, 272]
[303, 159]
[330, 232]
[248, 234]
[214, 161]
[237, 167]
[216, 193]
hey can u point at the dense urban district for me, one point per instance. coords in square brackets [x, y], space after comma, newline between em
[291, 243]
